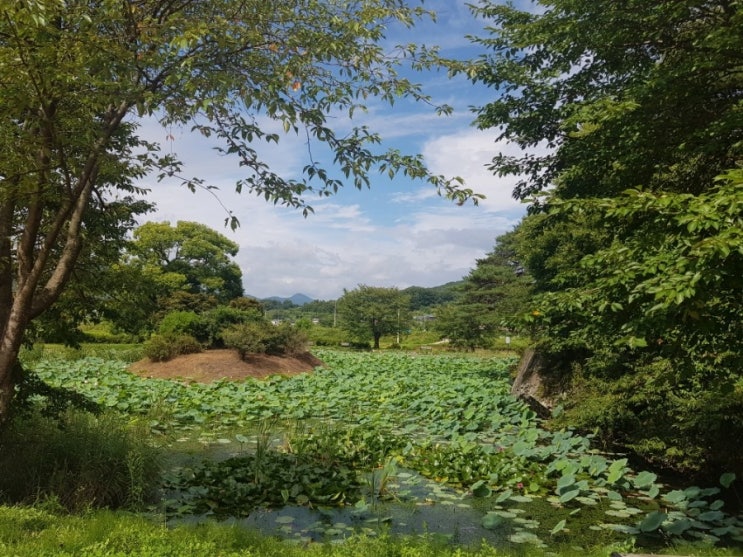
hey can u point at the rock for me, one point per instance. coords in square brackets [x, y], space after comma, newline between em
[529, 385]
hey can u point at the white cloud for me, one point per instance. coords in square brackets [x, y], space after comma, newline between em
[344, 244]
[466, 154]
[399, 234]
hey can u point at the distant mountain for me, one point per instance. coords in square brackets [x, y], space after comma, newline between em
[421, 298]
[296, 299]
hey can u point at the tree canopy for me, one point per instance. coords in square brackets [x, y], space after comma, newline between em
[492, 297]
[193, 251]
[368, 312]
[619, 95]
[631, 117]
[78, 76]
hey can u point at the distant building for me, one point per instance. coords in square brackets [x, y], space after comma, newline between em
[425, 318]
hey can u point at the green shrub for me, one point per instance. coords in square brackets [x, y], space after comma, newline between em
[161, 348]
[247, 338]
[104, 333]
[220, 318]
[265, 338]
[667, 420]
[120, 352]
[79, 460]
[285, 339]
[185, 323]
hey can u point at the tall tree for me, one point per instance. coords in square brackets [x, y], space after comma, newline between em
[76, 75]
[368, 312]
[492, 298]
[637, 109]
[98, 278]
[202, 256]
[618, 94]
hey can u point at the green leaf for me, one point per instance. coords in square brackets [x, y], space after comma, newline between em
[716, 505]
[613, 496]
[653, 492]
[559, 527]
[565, 481]
[711, 516]
[492, 520]
[481, 489]
[678, 527]
[675, 497]
[727, 479]
[644, 479]
[616, 470]
[525, 537]
[569, 495]
[652, 521]
[504, 496]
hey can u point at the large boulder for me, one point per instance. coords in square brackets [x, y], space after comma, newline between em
[529, 383]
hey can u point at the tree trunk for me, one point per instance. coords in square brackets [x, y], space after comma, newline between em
[9, 366]
[376, 340]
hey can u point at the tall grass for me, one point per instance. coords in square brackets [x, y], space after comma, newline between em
[32, 532]
[78, 459]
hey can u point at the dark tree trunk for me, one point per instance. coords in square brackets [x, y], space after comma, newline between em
[10, 373]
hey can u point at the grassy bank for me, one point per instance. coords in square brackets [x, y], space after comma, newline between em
[36, 532]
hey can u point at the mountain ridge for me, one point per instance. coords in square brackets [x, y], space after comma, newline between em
[297, 299]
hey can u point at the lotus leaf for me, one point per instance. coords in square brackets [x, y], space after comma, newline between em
[652, 521]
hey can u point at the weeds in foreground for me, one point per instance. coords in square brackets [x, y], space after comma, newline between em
[78, 459]
[31, 532]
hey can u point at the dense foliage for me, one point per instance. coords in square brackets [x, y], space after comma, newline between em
[631, 117]
[492, 299]
[422, 298]
[201, 257]
[368, 312]
[78, 460]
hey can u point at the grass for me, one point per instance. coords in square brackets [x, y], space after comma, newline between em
[36, 532]
[77, 460]
[122, 352]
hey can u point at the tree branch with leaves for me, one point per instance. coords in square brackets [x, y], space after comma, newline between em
[77, 76]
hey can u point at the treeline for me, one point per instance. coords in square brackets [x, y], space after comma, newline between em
[627, 270]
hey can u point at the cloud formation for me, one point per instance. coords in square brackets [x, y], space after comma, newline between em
[398, 233]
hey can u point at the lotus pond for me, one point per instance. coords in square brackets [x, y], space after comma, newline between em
[401, 443]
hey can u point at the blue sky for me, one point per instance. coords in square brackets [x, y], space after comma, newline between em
[397, 233]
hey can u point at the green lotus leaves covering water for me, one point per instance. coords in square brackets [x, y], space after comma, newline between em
[395, 442]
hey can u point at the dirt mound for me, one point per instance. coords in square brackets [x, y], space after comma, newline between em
[212, 365]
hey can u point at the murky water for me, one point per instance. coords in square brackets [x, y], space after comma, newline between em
[413, 505]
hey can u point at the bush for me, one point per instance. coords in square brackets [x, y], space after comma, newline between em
[79, 460]
[217, 320]
[161, 348]
[104, 333]
[247, 338]
[286, 339]
[265, 338]
[667, 420]
[121, 352]
[185, 323]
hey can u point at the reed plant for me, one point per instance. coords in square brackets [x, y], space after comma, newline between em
[78, 459]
